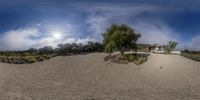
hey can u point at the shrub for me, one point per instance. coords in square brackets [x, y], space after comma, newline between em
[191, 56]
[4, 60]
[31, 60]
[47, 56]
[40, 58]
[135, 58]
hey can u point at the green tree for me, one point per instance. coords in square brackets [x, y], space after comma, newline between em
[120, 37]
[170, 46]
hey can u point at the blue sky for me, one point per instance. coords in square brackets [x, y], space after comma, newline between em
[36, 23]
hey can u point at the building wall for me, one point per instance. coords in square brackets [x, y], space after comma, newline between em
[176, 52]
[159, 51]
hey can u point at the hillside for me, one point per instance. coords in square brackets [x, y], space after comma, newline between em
[88, 77]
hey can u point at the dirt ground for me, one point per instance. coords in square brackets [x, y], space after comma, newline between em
[88, 77]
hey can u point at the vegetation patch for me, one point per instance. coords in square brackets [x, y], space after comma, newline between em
[126, 58]
[33, 55]
[25, 59]
[136, 58]
[118, 59]
[193, 56]
[122, 38]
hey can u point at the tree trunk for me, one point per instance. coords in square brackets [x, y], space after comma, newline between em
[122, 53]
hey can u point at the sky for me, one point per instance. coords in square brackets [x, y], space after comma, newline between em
[36, 23]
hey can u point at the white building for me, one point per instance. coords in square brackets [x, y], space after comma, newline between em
[160, 49]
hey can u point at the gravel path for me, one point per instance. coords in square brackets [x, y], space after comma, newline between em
[88, 77]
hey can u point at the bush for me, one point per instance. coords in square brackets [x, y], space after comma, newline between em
[191, 56]
[136, 58]
[21, 57]
[40, 58]
[4, 60]
[31, 60]
[47, 56]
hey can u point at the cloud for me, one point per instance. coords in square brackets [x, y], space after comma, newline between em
[95, 18]
[155, 33]
[194, 44]
[101, 16]
[34, 37]
[152, 30]
[85, 40]
[19, 39]
[122, 8]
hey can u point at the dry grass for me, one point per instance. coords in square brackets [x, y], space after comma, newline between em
[192, 56]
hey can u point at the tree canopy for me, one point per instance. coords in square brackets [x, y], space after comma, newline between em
[170, 46]
[120, 37]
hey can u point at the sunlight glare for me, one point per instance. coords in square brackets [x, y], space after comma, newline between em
[57, 35]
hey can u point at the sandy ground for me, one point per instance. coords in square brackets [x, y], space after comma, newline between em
[88, 77]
